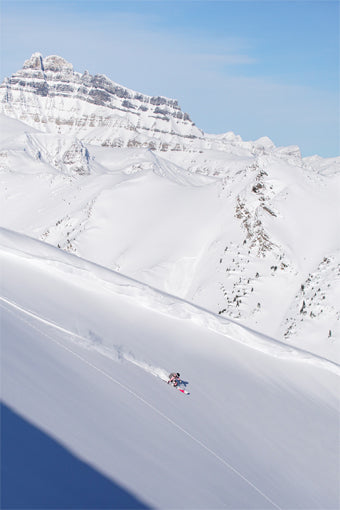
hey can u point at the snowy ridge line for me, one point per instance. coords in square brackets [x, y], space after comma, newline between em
[49, 257]
[140, 398]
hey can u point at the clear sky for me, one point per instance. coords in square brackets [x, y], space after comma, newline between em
[258, 68]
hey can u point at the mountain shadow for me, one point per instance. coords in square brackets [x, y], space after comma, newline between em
[38, 473]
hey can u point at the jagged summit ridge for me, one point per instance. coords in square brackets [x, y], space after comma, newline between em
[57, 64]
[48, 94]
[52, 63]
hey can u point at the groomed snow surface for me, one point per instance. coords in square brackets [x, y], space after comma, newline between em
[88, 421]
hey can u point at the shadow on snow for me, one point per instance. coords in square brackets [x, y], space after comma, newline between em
[38, 473]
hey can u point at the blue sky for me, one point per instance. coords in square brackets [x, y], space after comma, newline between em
[257, 68]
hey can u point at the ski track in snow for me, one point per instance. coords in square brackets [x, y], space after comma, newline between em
[52, 259]
[114, 353]
[126, 388]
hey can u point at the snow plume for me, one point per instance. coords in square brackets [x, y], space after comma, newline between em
[90, 341]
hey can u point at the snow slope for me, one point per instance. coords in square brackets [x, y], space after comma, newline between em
[240, 241]
[84, 352]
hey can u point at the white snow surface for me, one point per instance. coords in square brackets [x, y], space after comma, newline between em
[85, 353]
[132, 244]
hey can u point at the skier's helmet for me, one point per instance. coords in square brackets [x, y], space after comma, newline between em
[178, 374]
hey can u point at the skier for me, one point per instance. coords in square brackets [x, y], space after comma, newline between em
[174, 378]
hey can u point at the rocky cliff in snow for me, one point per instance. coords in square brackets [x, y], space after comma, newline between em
[49, 95]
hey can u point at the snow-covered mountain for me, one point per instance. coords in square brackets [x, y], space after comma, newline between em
[133, 244]
[245, 229]
[49, 95]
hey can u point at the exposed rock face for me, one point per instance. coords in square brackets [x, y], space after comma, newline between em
[50, 96]
[316, 301]
[35, 62]
[46, 93]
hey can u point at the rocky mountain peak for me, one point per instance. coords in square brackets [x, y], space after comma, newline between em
[57, 64]
[49, 95]
[51, 63]
[35, 62]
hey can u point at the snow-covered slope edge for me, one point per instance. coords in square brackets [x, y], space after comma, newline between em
[249, 435]
[89, 273]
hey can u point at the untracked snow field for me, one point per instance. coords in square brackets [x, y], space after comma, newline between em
[88, 421]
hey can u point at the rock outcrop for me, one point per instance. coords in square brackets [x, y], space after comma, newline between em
[49, 95]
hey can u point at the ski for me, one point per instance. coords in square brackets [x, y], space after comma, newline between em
[183, 391]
